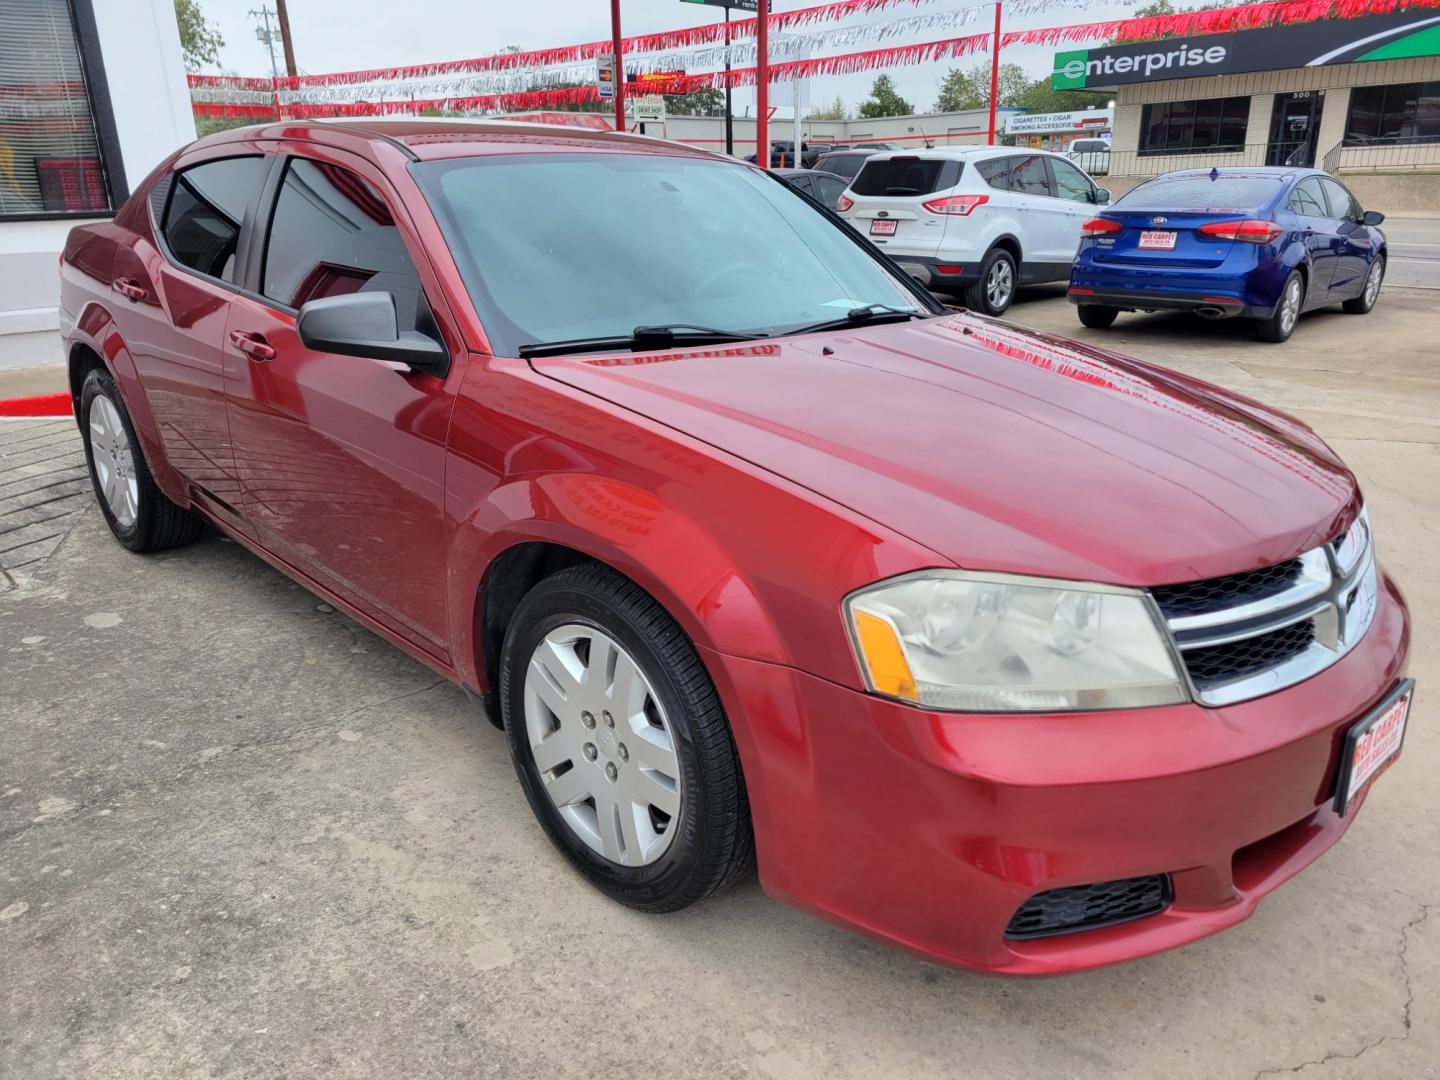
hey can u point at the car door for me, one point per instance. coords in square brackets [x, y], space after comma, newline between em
[1320, 234]
[342, 459]
[1040, 215]
[1355, 246]
[1076, 197]
[177, 299]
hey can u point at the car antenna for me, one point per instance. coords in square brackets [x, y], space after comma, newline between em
[1214, 172]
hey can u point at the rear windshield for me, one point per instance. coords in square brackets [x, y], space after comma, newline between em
[1201, 193]
[906, 176]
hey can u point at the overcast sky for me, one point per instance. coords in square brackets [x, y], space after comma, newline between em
[377, 33]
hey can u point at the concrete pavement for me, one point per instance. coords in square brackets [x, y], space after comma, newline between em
[242, 837]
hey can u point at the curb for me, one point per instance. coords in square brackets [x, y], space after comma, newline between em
[39, 405]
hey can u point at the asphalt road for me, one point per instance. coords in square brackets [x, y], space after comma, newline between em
[1414, 251]
[242, 837]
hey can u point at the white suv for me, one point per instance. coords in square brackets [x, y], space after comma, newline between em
[975, 221]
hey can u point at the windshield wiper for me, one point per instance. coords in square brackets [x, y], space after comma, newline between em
[867, 314]
[642, 337]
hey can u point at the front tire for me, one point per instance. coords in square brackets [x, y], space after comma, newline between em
[1281, 324]
[1365, 302]
[620, 742]
[140, 515]
[993, 292]
[1096, 316]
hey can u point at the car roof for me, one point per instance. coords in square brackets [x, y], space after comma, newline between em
[1276, 171]
[963, 153]
[422, 138]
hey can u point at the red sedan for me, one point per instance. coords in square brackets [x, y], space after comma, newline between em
[1013, 652]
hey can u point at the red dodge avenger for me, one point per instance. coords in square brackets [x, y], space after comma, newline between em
[1013, 652]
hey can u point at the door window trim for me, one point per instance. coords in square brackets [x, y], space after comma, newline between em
[247, 221]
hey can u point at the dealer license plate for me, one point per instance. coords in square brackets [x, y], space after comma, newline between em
[1157, 240]
[1372, 745]
[880, 227]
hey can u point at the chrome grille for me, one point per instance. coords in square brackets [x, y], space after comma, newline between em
[1262, 630]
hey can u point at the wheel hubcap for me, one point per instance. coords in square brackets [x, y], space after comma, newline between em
[113, 463]
[997, 284]
[1291, 308]
[602, 745]
[1372, 285]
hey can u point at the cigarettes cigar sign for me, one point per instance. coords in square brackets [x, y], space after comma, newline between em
[1396, 36]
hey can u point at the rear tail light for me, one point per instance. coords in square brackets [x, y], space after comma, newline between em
[1250, 231]
[955, 205]
[844, 203]
[1099, 226]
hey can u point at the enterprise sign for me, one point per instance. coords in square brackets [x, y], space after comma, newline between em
[1396, 36]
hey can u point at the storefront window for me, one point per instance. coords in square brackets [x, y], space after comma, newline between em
[1405, 113]
[1179, 127]
[50, 160]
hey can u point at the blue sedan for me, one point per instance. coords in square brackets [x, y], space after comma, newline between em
[1258, 243]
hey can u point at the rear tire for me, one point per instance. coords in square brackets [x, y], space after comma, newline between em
[664, 848]
[140, 515]
[1365, 302]
[994, 291]
[1096, 316]
[1281, 324]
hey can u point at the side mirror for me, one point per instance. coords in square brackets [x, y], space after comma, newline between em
[1102, 196]
[364, 324]
[1372, 217]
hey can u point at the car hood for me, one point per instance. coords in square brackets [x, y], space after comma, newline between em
[1001, 448]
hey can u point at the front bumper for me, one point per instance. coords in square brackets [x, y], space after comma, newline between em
[928, 830]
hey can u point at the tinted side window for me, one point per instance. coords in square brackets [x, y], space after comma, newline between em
[1306, 199]
[1342, 203]
[996, 172]
[829, 190]
[207, 205]
[1070, 182]
[1028, 176]
[332, 234]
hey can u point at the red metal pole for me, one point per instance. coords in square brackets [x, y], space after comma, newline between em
[620, 66]
[762, 85]
[994, 71]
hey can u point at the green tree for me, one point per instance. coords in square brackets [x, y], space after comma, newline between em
[200, 41]
[960, 90]
[834, 111]
[709, 102]
[885, 101]
[1040, 97]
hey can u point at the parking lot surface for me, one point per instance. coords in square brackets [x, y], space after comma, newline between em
[242, 837]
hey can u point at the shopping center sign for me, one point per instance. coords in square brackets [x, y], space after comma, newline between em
[1396, 36]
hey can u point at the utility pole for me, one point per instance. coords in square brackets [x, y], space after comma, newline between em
[729, 109]
[266, 36]
[283, 18]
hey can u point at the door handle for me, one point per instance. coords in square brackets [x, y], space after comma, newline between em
[129, 288]
[252, 345]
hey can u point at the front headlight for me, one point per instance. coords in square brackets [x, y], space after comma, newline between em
[951, 639]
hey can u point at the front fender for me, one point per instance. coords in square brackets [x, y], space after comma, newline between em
[625, 527]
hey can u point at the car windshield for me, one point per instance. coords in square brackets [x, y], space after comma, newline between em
[1239, 192]
[554, 247]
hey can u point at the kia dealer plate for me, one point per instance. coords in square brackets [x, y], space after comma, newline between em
[1372, 745]
[880, 227]
[1157, 240]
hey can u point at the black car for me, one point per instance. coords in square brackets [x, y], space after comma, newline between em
[825, 188]
[844, 163]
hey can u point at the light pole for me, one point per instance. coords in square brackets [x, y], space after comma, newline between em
[995, 71]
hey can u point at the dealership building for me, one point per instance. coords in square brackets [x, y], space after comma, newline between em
[1354, 96]
[92, 97]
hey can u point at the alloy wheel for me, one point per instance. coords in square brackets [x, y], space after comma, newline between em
[602, 746]
[1372, 283]
[113, 462]
[1290, 309]
[998, 284]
